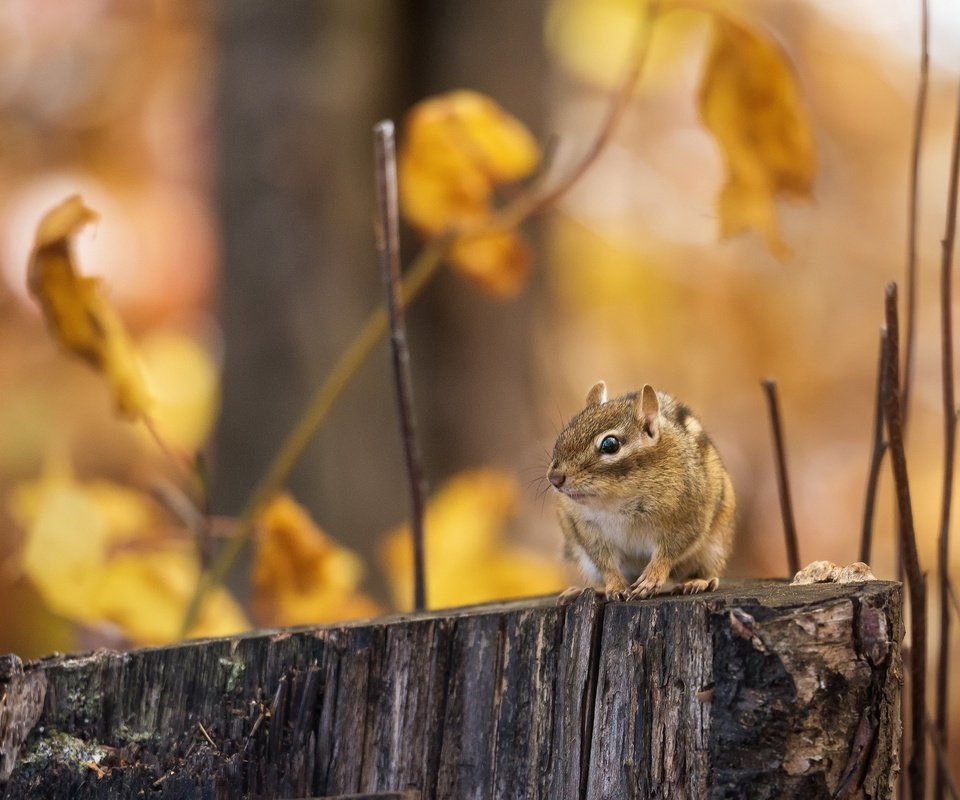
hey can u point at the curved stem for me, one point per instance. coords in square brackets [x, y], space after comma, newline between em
[949, 441]
[186, 466]
[913, 211]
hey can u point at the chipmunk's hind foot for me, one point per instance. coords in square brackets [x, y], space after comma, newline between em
[697, 586]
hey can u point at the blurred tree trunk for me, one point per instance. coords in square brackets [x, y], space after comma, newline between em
[300, 85]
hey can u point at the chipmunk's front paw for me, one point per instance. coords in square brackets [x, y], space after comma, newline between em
[644, 587]
[617, 590]
[697, 586]
[649, 582]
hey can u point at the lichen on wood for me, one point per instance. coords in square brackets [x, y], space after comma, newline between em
[758, 690]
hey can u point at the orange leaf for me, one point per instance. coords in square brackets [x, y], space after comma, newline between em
[300, 575]
[749, 100]
[77, 312]
[497, 262]
[456, 149]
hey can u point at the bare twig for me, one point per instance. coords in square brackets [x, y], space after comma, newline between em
[953, 598]
[916, 582]
[159, 781]
[943, 765]
[181, 461]
[388, 247]
[198, 522]
[421, 271]
[876, 459]
[783, 484]
[949, 439]
[532, 203]
[95, 767]
[919, 113]
[207, 736]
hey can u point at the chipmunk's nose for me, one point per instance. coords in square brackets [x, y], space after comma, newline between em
[556, 478]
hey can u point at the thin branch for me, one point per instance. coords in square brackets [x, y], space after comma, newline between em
[783, 484]
[419, 274]
[197, 521]
[949, 438]
[185, 466]
[876, 459]
[919, 114]
[943, 764]
[388, 247]
[916, 583]
[533, 203]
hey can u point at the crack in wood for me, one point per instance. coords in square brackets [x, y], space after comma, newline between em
[658, 698]
[589, 704]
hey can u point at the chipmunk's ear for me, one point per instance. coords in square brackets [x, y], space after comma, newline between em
[649, 416]
[597, 394]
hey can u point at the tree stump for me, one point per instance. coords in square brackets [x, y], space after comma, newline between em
[759, 690]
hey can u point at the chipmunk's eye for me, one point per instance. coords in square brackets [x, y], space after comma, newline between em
[609, 445]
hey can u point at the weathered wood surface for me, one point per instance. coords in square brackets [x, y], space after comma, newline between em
[758, 690]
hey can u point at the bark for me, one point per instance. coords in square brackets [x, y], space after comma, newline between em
[759, 690]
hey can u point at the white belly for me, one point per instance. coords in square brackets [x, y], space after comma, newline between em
[631, 541]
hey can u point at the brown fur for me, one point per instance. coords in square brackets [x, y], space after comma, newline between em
[661, 507]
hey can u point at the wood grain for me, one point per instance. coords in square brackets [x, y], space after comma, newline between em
[758, 690]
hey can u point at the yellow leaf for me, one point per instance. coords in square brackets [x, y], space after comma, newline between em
[94, 552]
[184, 384]
[146, 595]
[300, 575]
[467, 559]
[498, 262]
[457, 148]
[750, 102]
[77, 312]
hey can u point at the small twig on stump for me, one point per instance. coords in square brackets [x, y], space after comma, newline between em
[876, 458]
[916, 583]
[207, 736]
[388, 248]
[949, 443]
[783, 484]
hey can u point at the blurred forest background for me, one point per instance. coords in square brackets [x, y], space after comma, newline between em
[227, 149]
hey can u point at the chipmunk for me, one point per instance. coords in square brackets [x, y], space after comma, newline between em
[643, 495]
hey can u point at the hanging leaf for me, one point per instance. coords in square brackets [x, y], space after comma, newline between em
[300, 575]
[749, 100]
[499, 262]
[468, 559]
[457, 148]
[78, 314]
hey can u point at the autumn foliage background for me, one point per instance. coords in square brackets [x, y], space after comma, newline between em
[227, 153]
